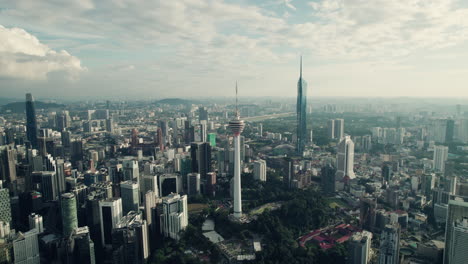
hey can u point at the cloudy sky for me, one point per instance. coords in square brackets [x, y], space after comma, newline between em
[189, 48]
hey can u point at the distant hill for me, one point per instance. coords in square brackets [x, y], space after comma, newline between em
[174, 101]
[20, 107]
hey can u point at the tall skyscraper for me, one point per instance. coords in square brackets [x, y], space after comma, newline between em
[31, 122]
[69, 213]
[345, 160]
[390, 245]
[331, 128]
[259, 171]
[130, 194]
[301, 107]
[359, 247]
[202, 113]
[440, 157]
[200, 153]
[456, 236]
[174, 216]
[110, 213]
[237, 126]
[212, 139]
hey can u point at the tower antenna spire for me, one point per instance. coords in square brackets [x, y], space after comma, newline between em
[300, 74]
[237, 110]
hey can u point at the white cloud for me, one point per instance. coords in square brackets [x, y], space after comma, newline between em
[22, 56]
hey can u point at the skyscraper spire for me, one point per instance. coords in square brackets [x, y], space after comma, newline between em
[237, 110]
[300, 74]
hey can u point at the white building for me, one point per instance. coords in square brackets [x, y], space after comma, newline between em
[360, 247]
[259, 171]
[174, 216]
[110, 213]
[440, 157]
[456, 232]
[35, 222]
[389, 252]
[130, 170]
[345, 159]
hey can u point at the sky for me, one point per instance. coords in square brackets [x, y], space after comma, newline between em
[145, 49]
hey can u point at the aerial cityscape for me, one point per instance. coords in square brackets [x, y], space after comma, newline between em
[216, 135]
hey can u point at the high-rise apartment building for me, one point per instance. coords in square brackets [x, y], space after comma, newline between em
[440, 157]
[456, 239]
[389, 251]
[26, 248]
[259, 170]
[345, 161]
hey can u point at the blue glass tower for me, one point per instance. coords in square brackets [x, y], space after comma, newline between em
[31, 123]
[301, 113]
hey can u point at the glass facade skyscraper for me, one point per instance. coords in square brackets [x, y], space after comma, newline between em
[31, 122]
[301, 113]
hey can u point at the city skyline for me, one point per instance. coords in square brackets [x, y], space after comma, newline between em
[353, 48]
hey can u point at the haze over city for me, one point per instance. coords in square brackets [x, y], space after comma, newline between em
[142, 49]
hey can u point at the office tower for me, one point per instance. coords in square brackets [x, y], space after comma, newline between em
[159, 139]
[455, 232]
[31, 122]
[210, 183]
[110, 213]
[450, 131]
[259, 171]
[359, 247]
[193, 184]
[328, 179]
[331, 128]
[66, 139]
[200, 153]
[170, 183]
[36, 222]
[110, 125]
[174, 216]
[60, 175]
[260, 129]
[130, 240]
[26, 248]
[345, 160]
[367, 217]
[81, 247]
[202, 113]
[77, 151]
[45, 182]
[8, 165]
[202, 132]
[5, 207]
[129, 192]
[237, 126]
[163, 124]
[131, 171]
[212, 139]
[387, 173]
[339, 129]
[301, 107]
[390, 245]
[149, 203]
[150, 183]
[69, 213]
[440, 157]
